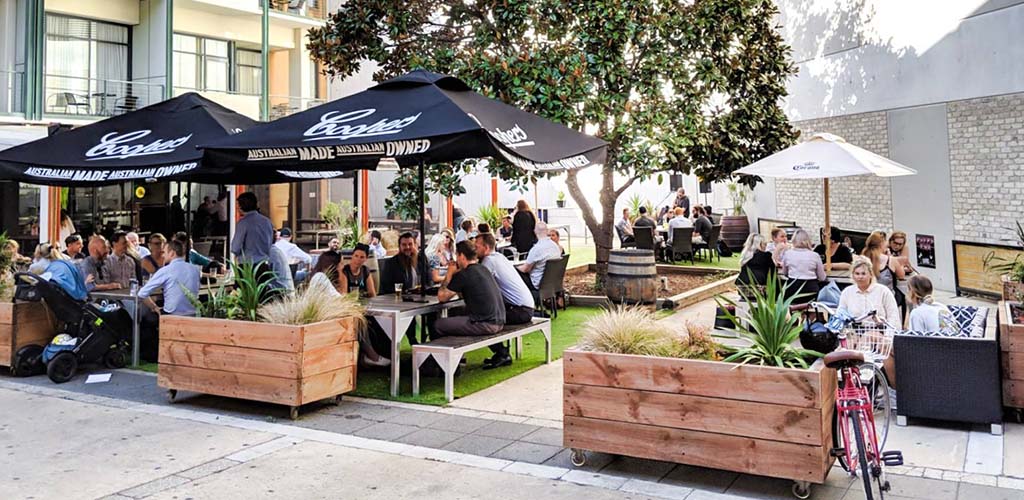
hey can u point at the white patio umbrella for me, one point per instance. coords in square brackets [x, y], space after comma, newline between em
[825, 156]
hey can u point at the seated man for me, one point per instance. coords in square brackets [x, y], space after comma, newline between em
[516, 297]
[122, 267]
[329, 262]
[701, 225]
[405, 269]
[94, 267]
[533, 269]
[74, 246]
[293, 253]
[624, 227]
[376, 246]
[679, 221]
[485, 311]
[173, 280]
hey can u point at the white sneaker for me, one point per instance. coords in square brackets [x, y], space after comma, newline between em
[380, 362]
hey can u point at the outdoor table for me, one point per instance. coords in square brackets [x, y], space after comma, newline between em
[316, 233]
[395, 316]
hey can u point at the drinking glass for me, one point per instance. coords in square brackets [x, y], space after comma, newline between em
[398, 290]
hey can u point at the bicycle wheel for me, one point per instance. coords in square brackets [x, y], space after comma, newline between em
[862, 457]
[882, 404]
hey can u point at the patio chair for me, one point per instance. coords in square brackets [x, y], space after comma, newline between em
[71, 101]
[711, 246]
[126, 104]
[952, 375]
[622, 240]
[552, 284]
[644, 237]
[203, 247]
[682, 244]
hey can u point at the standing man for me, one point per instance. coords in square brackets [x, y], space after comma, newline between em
[173, 279]
[94, 267]
[533, 269]
[122, 266]
[485, 311]
[254, 233]
[625, 228]
[515, 295]
[682, 201]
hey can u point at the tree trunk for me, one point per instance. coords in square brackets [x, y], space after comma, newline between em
[602, 229]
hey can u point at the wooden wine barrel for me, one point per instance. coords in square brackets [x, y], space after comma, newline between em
[735, 230]
[632, 277]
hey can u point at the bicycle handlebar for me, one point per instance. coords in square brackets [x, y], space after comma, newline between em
[873, 314]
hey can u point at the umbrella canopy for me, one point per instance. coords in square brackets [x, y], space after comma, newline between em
[420, 117]
[824, 156]
[155, 143]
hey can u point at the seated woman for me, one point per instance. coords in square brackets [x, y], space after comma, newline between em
[899, 250]
[868, 295]
[756, 265]
[439, 255]
[355, 276]
[841, 255]
[61, 271]
[155, 259]
[803, 269]
[928, 315]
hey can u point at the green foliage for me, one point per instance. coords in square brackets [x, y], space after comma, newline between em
[692, 87]
[739, 194]
[343, 217]
[313, 304]
[636, 330]
[560, 196]
[250, 293]
[635, 202]
[491, 214]
[7, 285]
[219, 303]
[769, 326]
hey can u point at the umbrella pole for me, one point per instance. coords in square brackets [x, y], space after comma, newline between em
[423, 233]
[827, 236]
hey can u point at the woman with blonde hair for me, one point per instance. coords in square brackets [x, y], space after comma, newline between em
[887, 269]
[439, 255]
[524, 225]
[867, 295]
[803, 269]
[928, 315]
[756, 264]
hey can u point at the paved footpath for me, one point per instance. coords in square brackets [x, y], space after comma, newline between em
[122, 440]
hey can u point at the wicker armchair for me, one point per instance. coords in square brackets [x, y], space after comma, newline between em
[954, 377]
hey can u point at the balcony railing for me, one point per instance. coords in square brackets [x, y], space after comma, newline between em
[315, 9]
[12, 92]
[90, 97]
[282, 106]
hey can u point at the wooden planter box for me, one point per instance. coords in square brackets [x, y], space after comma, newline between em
[22, 324]
[282, 364]
[755, 420]
[1011, 346]
[1011, 289]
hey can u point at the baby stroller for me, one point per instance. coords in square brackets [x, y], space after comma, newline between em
[88, 333]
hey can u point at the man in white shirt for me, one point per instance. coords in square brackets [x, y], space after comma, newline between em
[624, 226]
[679, 221]
[292, 253]
[533, 269]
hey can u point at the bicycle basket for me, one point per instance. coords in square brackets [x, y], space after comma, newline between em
[875, 341]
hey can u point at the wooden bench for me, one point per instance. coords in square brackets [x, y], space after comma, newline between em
[448, 351]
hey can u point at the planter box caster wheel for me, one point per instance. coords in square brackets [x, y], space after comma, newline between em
[171, 394]
[293, 412]
[578, 457]
[335, 401]
[801, 489]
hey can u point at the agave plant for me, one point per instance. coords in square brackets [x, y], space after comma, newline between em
[491, 214]
[219, 303]
[250, 292]
[769, 326]
[1012, 267]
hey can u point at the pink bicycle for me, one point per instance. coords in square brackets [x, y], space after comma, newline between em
[862, 392]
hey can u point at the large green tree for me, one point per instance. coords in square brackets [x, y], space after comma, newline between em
[685, 86]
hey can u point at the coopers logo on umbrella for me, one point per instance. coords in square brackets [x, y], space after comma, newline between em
[514, 137]
[335, 125]
[806, 166]
[115, 147]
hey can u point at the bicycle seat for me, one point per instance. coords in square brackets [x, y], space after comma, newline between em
[843, 358]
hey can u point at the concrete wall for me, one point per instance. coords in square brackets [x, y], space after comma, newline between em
[115, 11]
[241, 28]
[149, 43]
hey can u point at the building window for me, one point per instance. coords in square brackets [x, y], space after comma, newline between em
[201, 63]
[248, 71]
[87, 64]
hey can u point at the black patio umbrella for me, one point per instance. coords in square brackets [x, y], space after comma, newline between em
[154, 143]
[415, 119]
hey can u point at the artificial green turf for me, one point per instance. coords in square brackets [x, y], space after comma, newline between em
[732, 262]
[375, 383]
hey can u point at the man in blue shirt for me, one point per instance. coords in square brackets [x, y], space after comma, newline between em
[254, 233]
[173, 279]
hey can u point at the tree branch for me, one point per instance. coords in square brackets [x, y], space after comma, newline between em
[618, 192]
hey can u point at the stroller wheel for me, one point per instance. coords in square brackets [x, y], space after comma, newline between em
[115, 358]
[28, 361]
[62, 367]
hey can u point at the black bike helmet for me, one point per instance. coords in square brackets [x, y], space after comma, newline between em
[817, 337]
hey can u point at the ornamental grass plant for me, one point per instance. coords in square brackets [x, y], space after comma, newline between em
[635, 330]
[317, 302]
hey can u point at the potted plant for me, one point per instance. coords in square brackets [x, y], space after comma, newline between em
[491, 215]
[343, 218]
[736, 227]
[21, 323]
[634, 387]
[293, 350]
[560, 199]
